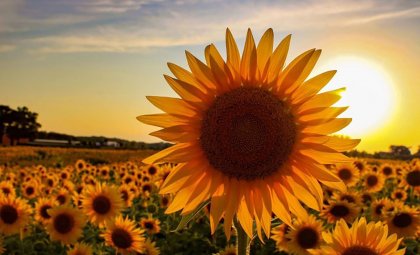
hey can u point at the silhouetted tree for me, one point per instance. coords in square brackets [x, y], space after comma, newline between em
[20, 123]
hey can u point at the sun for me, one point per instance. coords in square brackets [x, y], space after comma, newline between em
[370, 94]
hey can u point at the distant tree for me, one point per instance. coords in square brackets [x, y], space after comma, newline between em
[20, 123]
[400, 151]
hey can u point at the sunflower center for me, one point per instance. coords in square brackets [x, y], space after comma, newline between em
[413, 178]
[61, 199]
[146, 188]
[359, 250]
[121, 238]
[348, 198]
[387, 171]
[248, 133]
[101, 204]
[8, 214]
[148, 225]
[344, 174]
[402, 220]
[339, 211]
[372, 180]
[359, 165]
[152, 170]
[124, 195]
[6, 191]
[63, 223]
[378, 209]
[366, 198]
[307, 238]
[30, 191]
[398, 195]
[43, 211]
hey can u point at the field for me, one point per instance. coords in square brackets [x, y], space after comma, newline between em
[70, 201]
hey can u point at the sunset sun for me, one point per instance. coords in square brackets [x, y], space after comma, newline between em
[369, 94]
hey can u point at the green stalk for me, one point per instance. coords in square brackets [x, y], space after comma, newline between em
[242, 242]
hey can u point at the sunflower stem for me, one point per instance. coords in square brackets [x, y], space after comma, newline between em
[242, 241]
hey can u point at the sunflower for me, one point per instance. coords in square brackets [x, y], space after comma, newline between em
[164, 201]
[66, 224]
[405, 222]
[411, 178]
[348, 173]
[152, 226]
[280, 236]
[361, 239]
[123, 235]
[149, 248]
[349, 196]
[80, 249]
[102, 203]
[367, 198]
[41, 209]
[373, 182]
[152, 169]
[80, 165]
[30, 190]
[399, 194]
[250, 136]
[360, 164]
[7, 188]
[63, 196]
[377, 208]
[387, 170]
[126, 195]
[104, 172]
[229, 250]
[305, 235]
[14, 214]
[340, 210]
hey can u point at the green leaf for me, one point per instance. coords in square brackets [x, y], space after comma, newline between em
[189, 217]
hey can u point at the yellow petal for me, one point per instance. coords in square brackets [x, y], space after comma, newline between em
[181, 150]
[264, 51]
[173, 106]
[328, 126]
[278, 58]
[312, 86]
[249, 60]
[233, 57]
[186, 76]
[162, 120]
[201, 72]
[186, 91]
[325, 99]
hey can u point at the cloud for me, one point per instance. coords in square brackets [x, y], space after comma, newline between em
[130, 26]
[7, 47]
[409, 13]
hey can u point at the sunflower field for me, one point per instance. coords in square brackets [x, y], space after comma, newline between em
[104, 209]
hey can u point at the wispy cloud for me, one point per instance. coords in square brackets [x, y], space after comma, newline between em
[7, 47]
[130, 25]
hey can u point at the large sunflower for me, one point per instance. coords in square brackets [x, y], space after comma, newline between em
[66, 224]
[250, 136]
[361, 239]
[102, 203]
[123, 235]
[14, 214]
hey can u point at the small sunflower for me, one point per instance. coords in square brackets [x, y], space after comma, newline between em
[349, 196]
[151, 225]
[80, 249]
[80, 165]
[126, 195]
[123, 235]
[149, 248]
[373, 181]
[387, 170]
[152, 169]
[378, 208]
[405, 222]
[361, 239]
[348, 173]
[367, 197]
[14, 214]
[63, 196]
[280, 236]
[411, 178]
[305, 235]
[340, 210]
[360, 164]
[41, 209]
[7, 188]
[30, 190]
[399, 194]
[102, 203]
[66, 224]
[250, 136]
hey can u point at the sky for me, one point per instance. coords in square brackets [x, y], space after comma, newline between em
[86, 65]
